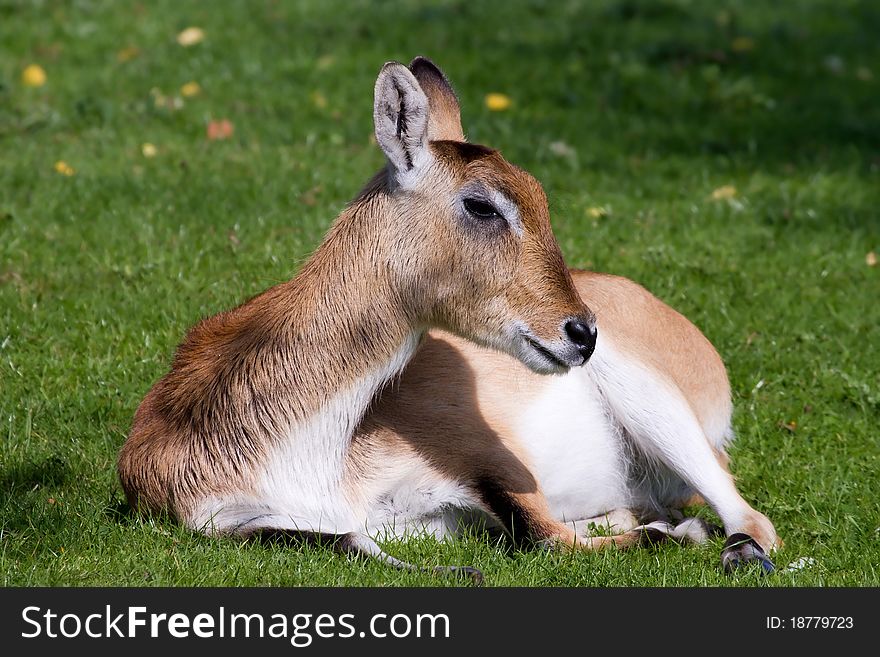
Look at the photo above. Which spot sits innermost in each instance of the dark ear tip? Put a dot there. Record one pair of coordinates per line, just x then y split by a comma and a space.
423, 68
420, 62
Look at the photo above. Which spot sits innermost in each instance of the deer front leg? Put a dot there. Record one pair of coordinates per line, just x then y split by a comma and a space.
661, 423
618, 521
527, 519
673, 524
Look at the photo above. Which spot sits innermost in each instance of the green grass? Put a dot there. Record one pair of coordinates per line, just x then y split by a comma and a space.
642, 109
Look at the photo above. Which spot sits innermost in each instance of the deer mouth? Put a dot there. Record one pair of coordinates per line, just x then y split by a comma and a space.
549, 363
546, 353
540, 356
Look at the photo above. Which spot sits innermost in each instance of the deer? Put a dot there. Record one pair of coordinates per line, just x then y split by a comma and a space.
251, 430
435, 364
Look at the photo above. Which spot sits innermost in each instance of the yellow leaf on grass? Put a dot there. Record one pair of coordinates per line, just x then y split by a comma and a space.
871, 259
498, 102
64, 168
190, 89
742, 44
597, 212
789, 426
318, 99
33, 76
726, 191
127, 54
191, 36
149, 150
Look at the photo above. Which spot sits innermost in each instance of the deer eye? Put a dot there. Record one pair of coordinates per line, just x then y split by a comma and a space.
481, 209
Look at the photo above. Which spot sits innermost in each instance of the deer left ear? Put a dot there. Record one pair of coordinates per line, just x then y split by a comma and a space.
444, 117
400, 117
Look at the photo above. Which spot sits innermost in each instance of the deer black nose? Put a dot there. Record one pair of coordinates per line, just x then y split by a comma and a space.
583, 336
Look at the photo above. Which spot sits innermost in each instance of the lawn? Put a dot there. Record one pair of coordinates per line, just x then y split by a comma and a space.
725, 155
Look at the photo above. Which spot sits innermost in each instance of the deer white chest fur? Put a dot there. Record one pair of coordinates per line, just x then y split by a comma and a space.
308, 465
566, 437
575, 447
301, 483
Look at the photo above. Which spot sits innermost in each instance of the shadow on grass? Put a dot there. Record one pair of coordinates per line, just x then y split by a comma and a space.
118, 511
50, 471
27, 509
777, 86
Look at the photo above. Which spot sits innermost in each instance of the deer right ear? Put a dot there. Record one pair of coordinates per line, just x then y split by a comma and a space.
400, 115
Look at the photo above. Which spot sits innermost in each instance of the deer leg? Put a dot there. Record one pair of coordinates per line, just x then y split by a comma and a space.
622, 521
661, 423
526, 517
257, 520
362, 545
618, 521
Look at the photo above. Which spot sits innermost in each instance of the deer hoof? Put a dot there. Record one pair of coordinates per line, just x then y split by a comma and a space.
741, 550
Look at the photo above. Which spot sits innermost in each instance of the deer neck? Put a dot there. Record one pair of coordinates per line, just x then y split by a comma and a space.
327, 339
346, 334
346, 327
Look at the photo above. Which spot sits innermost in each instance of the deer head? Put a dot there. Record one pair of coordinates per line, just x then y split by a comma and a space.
471, 242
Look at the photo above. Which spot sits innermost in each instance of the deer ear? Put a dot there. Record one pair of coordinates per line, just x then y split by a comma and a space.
444, 115
400, 115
